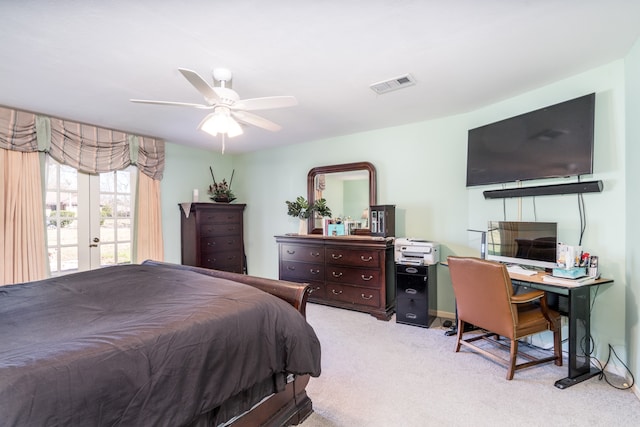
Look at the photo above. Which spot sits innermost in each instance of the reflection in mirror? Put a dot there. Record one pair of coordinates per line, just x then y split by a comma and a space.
349, 190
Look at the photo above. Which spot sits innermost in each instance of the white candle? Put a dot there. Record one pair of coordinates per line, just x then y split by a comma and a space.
195, 195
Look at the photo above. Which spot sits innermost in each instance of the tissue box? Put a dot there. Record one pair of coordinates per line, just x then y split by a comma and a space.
569, 273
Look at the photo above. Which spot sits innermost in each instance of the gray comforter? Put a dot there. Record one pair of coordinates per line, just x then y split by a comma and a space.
140, 345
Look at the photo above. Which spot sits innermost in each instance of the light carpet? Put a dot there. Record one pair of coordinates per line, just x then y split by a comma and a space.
377, 373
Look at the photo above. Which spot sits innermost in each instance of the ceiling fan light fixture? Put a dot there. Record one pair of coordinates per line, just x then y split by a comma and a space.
220, 121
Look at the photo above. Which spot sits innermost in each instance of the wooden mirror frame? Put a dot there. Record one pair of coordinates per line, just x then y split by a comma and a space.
347, 167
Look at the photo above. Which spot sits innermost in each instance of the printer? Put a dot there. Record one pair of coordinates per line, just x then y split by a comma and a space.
410, 251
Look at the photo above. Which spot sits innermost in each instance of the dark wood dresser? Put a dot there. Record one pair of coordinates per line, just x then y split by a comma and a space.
212, 236
353, 272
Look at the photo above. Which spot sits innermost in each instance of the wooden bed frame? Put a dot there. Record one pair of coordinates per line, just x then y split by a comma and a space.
292, 405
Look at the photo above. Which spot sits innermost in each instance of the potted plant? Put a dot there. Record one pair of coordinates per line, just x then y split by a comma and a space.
303, 210
221, 191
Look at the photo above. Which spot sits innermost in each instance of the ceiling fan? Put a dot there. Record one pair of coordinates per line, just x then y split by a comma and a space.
228, 109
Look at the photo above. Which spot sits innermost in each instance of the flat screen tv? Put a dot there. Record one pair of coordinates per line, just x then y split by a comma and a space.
555, 141
523, 243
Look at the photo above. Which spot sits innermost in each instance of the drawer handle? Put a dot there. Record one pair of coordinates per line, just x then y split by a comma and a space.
336, 274
211, 243
336, 256
411, 291
312, 271
291, 268
312, 290
336, 292
411, 316
290, 252
366, 279
366, 297
366, 259
315, 254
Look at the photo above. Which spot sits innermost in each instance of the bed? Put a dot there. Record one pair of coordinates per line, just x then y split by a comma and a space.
155, 344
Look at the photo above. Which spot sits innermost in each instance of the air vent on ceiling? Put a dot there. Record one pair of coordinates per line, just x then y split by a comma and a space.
393, 84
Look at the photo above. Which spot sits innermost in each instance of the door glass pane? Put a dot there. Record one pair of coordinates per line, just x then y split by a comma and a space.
61, 207
115, 217
68, 258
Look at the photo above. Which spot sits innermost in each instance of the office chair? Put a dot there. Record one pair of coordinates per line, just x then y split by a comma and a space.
484, 297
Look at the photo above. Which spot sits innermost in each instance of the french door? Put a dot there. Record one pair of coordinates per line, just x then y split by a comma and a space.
89, 218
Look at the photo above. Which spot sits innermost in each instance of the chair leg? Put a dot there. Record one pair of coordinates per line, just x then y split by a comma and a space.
557, 346
459, 334
512, 360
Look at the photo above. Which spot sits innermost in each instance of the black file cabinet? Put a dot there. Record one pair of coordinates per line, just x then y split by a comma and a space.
416, 294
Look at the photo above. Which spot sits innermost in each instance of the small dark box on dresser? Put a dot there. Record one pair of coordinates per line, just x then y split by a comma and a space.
382, 220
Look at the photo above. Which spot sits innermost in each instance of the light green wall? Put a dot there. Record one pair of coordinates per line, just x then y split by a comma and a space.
421, 169
632, 74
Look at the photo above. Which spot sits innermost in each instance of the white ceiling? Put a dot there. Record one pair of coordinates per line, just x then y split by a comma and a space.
84, 59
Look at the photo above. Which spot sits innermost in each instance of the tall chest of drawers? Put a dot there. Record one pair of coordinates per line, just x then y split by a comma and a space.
352, 272
212, 236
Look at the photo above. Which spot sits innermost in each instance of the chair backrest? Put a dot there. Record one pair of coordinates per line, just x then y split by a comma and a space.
483, 293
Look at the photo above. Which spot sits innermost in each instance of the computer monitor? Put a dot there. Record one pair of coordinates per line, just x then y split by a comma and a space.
523, 243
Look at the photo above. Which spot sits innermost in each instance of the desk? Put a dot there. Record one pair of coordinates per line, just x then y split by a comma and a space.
578, 311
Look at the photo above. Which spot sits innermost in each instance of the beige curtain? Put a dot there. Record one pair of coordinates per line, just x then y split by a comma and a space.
149, 243
23, 248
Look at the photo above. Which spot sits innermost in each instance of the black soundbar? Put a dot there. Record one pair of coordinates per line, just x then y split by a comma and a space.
546, 190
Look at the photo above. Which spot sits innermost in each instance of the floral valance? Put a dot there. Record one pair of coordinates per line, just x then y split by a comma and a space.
85, 147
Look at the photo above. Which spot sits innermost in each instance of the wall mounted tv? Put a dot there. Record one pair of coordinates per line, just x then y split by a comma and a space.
555, 141
523, 243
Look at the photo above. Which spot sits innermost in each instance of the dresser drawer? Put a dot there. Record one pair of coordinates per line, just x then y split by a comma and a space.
219, 217
352, 257
353, 295
297, 271
302, 253
353, 276
220, 243
221, 229
317, 291
223, 260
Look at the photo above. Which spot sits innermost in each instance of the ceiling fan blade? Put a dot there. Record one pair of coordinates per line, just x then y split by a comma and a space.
252, 119
265, 103
180, 104
201, 85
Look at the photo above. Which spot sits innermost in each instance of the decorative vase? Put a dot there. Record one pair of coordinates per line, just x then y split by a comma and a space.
302, 226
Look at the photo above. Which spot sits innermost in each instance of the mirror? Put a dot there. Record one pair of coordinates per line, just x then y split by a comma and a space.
348, 188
